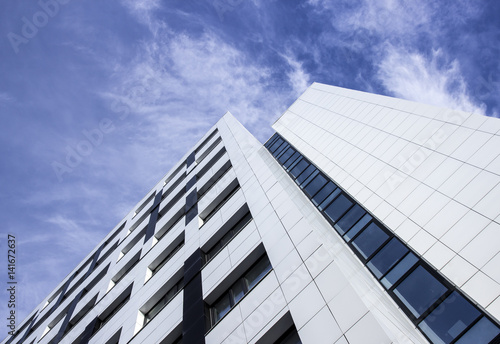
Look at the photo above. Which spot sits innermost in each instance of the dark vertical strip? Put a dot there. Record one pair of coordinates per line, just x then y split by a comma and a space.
94, 260
190, 183
190, 159
194, 318
61, 296
191, 207
87, 333
75, 301
25, 332
153, 218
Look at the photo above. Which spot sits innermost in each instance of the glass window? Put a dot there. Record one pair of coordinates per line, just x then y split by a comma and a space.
309, 179
299, 167
387, 257
317, 183
221, 308
238, 291
349, 219
286, 154
292, 159
482, 332
304, 175
399, 270
281, 149
271, 140
419, 291
369, 240
335, 210
329, 199
291, 338
275, 145
351, 233
323, 193
449, 319
257, 272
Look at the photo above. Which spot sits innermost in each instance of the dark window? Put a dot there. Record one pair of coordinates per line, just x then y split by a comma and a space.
482, 332
167, 258
304, 175
351, 233
387, 257
399, 270
271, 140
323, 193
280, 150
162, 302
419, 291
292, 159
349, 219
299, 167
241, 287
315, 185
338, 207
369, 240
102, 320
286, 154
228, 237
290, 337
449, 319
275, 145
329, 199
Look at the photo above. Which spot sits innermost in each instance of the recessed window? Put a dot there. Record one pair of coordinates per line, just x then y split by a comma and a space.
290, 337
449, 319
387, 257
351, 233
419, 291
217, 247
291, 160
483, 331
370, 239
399, 270
305, 174
315, 185
239, 289
349, 219
299, 167
338, 207
319, 197
162, 302
167, 258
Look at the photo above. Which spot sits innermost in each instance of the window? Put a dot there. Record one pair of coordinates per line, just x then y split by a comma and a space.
387, 257
440, 311
232, 188
338, 207
369, 240
454, 315
419, 291
239, 289
290, 337
204, 169
214, 179
109, 312
167, 258
162, 302
149, 199
231, 233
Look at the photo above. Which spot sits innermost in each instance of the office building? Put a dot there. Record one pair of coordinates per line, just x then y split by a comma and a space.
364, 219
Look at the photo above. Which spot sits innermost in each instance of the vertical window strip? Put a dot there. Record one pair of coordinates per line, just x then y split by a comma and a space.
423, 294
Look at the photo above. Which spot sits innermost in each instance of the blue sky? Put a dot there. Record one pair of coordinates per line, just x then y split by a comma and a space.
145, 79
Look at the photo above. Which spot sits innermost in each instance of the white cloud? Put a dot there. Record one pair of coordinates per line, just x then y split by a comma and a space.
431, 80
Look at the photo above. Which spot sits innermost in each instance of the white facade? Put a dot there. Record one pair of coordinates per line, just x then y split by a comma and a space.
430, 175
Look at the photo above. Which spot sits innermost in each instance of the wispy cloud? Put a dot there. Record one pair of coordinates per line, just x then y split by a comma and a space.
431, 80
